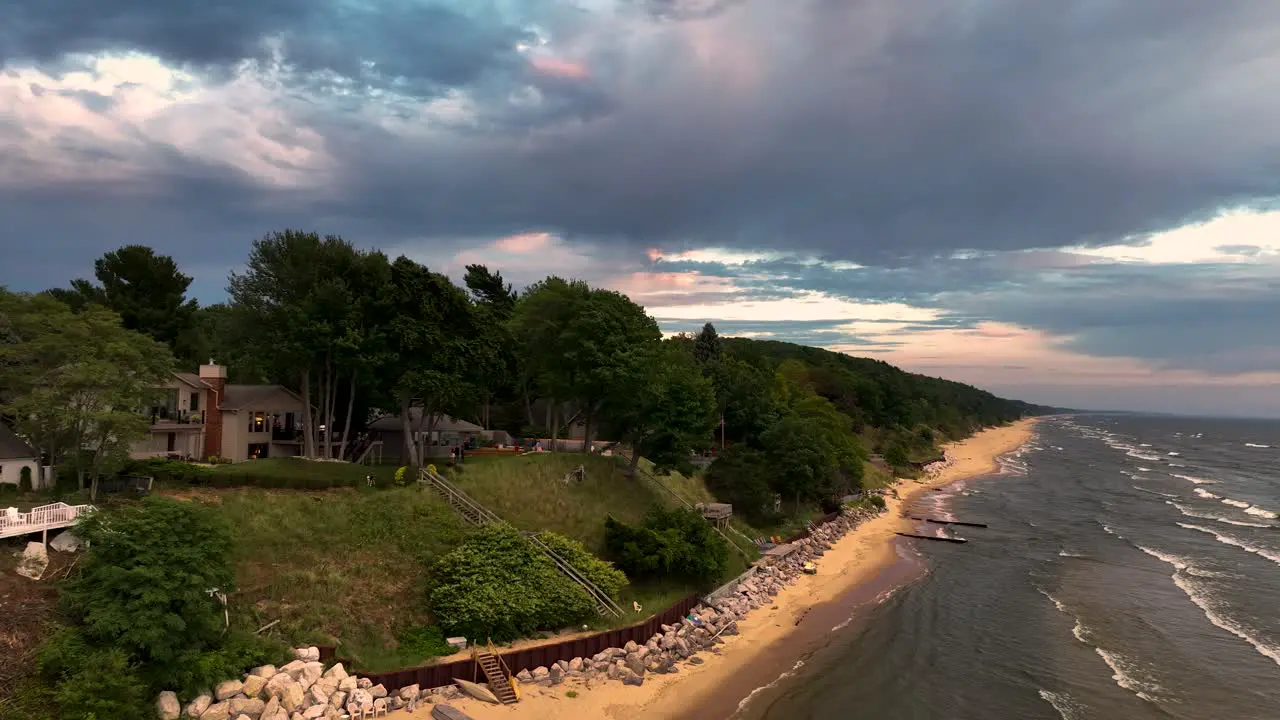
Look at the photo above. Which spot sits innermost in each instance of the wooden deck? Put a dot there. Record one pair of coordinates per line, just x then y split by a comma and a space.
46, 517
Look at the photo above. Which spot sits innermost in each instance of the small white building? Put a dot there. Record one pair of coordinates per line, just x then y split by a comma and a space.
15, 455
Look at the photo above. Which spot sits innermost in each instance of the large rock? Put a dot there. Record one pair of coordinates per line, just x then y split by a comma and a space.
409, 691
196, 707
217, 711
575, 664
307, 654
266, 672
348, 683
315, 712
336, 673
276, 685
252, 707
253, 686
310, 673
167, 707
227, 689
378, 691
292, 697
33, 561
67, 542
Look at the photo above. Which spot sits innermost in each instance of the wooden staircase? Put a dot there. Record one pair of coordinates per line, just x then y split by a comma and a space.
476, 514
499, 682
604, 604
470, 510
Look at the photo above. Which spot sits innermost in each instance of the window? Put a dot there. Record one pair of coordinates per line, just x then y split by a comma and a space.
195, 402
258, 422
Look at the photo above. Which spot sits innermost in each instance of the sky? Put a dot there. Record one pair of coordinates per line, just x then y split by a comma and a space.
1069, 202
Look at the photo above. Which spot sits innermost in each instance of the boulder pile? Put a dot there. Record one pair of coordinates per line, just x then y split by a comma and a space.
301, 690
305, 690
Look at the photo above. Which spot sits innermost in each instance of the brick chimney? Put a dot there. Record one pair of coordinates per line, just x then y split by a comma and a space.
215, 376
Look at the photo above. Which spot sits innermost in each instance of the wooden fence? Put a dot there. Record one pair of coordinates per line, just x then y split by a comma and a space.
432, 676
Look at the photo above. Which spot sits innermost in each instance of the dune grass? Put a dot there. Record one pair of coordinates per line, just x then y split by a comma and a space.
298, 468
337, 566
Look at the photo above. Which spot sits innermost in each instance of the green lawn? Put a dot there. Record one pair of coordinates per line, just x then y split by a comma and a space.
297, 468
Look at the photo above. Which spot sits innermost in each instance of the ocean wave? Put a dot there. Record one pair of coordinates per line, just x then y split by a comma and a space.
1176, 465
1111, 531
1056, 602
1193, 480
1207, 606
1173, 454
1068, 554
1256, 445
1153, 492
747, 700
1259, 512
1143, 469
1121, 667
1235, 503
1207, 495
1067, 707
1236, 542
1141, 456
1192, 513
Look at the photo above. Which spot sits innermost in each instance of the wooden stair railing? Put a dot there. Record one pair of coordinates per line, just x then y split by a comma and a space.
495, 674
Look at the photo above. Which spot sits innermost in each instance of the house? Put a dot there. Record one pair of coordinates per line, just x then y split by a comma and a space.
448, 432
15, 455
202, 416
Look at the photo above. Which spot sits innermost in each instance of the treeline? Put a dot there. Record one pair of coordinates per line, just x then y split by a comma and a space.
360, 334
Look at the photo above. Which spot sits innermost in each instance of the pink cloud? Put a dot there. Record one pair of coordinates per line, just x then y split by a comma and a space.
664, 288
560, 68
523, 243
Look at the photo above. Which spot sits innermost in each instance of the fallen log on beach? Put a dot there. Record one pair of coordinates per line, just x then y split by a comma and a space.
949, 522
933, 537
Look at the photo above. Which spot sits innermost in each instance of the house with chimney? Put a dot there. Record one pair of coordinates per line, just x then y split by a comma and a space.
202, 416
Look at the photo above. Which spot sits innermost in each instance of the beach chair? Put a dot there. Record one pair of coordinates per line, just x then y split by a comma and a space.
354, 711
380, 707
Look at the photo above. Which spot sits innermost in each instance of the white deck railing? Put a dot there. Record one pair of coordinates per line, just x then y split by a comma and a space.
45, 517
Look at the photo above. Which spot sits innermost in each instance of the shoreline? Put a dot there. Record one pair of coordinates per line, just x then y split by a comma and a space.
857, 571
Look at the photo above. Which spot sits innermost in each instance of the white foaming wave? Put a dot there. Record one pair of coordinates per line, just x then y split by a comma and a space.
1176, 465
1192, 513
1236, 542
1193, 480
1145, 445
1203, 602
1235, 503
1069, 554
799, 664
1117, 663
1110, 531
1173, 454
1256, 445
1143, 469
1206, 494
1141, 456
1056, 602
1153, 492
1067, 707
1222, 623
1255, 510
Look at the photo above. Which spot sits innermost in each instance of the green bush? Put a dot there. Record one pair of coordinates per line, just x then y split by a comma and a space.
141, 605
677, 543
424, 641
103, 684
877, 501
24, 479
896, 455
601, 573
497, 586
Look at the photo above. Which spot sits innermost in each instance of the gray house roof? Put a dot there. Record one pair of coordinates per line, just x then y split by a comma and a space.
191, 379
267, 398
13, 447
391, 423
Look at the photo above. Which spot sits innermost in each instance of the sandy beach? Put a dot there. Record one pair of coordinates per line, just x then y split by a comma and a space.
857, 567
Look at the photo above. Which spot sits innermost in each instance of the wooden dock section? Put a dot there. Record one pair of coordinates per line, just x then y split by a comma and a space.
937, 538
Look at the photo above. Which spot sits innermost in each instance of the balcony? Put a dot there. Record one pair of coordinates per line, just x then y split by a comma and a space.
284, 434
174, 416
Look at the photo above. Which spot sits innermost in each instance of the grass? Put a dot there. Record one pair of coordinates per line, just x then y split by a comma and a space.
338, 566
874, 477
297, 468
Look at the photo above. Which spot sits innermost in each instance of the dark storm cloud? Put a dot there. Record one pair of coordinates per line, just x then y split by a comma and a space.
887, 131
428, 44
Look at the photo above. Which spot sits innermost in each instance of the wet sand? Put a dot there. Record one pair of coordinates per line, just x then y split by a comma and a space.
858, 571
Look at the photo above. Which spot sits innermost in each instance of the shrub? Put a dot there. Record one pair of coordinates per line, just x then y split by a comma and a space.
103, 684
171, 635
496, 585
601, 573
24, 479
877, 501
669, 543
424, 641
896, 455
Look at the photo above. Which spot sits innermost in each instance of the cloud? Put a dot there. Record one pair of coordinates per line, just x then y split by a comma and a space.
792, 169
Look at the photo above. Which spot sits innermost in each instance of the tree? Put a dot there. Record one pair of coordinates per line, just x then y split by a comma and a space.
489, 289
740, 476
676, 542
746, 400
439, 351
149, 293
495, 301
77, 382
706, 348
537, 327
301, 304
662, 405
